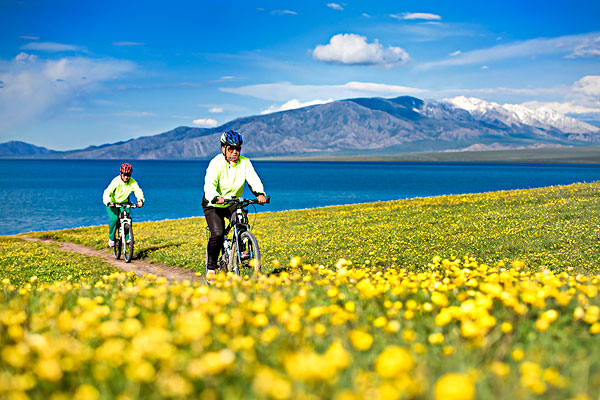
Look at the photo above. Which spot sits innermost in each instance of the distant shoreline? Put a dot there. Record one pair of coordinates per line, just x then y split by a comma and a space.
562, 155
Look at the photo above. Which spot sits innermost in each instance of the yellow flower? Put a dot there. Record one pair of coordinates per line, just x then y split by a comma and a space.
393, 361
500, 368
436, 338
361, 340
295, 262
140, 371
409, 335
439, 299
269, 383
260, 320
221, 318
454, 386
518, 354
444, 317
49, 369
506, 327
86, 392
17, 355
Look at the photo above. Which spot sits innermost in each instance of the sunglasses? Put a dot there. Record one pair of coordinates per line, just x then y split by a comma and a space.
232, 148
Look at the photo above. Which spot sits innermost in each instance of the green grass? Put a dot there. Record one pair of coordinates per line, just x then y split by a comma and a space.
21, 260
552, 227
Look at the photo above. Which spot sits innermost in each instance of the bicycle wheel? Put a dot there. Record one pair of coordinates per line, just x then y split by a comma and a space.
127, 244
246, 261
117, 246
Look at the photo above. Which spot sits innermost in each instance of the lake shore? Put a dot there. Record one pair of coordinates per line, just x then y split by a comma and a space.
563, 155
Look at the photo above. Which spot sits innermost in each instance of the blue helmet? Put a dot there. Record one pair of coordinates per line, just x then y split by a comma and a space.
231, 138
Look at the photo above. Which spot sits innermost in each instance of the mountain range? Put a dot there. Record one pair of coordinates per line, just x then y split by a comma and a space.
358, 126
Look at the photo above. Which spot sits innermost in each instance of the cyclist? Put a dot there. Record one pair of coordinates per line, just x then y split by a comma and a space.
118, 191
225, 178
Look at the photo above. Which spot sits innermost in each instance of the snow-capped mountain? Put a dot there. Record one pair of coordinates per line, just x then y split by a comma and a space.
366, 126
515, 114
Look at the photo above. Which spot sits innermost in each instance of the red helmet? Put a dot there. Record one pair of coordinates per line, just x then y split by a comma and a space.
126, 169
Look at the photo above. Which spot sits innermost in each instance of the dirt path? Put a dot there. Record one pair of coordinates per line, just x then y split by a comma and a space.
140, 267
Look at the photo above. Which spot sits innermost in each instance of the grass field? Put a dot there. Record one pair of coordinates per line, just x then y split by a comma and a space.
485, 296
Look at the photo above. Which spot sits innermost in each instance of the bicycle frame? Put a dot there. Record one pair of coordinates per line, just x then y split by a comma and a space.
240, 225
121, 241
240, 234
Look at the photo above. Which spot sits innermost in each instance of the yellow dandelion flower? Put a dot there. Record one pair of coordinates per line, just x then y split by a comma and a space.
454, 386
361, 340
393, 361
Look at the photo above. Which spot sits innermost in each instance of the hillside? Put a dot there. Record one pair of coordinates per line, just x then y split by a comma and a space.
366, 125
20, 149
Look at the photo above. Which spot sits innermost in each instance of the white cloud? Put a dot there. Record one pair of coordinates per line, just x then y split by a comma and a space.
335, 6
411, 16
293, 104
215, 110
284, 12
35, 88
137, 114
583, 97
30, 37
588, 86
304, 93
127, 44
569, 46
588, 48
353, 49
24, 57
51, 47
455, 53
562, 108
206, 122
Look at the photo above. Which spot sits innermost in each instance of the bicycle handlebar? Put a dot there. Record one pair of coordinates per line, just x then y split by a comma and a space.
244, 202
130, 205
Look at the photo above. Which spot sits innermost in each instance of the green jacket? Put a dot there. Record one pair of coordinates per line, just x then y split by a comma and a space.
119, 191
228, 181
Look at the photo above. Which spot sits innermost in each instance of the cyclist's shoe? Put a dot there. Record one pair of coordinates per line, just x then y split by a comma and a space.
211, 276
111, 243
244, 255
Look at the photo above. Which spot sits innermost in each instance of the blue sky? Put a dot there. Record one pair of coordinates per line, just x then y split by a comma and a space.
79, 73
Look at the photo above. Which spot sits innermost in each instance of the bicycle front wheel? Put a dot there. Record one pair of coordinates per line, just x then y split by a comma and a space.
127, 241
117, 245
245, 255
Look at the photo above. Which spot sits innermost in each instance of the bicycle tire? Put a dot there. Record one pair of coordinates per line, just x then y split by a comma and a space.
117, 245
251, 265
127, 245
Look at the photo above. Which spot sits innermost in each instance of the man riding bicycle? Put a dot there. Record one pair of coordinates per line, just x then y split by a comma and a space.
118, 191
225, 178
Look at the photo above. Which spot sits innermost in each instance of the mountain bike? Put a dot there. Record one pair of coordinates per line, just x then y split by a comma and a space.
124, 233
240, 254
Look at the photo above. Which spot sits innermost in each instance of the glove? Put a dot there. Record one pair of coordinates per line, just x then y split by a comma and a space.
140, 204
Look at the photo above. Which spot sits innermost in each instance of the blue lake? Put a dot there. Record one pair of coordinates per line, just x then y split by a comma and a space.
54, 194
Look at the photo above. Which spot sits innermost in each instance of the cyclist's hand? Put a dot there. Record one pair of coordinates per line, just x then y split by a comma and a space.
261, 199
111, 204
220, 200
140, 204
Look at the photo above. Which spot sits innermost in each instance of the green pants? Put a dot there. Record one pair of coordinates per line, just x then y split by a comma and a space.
113, 217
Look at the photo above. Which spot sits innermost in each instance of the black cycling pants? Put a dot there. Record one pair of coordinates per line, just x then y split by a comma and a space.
215, 219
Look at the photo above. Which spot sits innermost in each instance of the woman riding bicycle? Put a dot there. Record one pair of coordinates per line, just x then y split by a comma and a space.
118, 191
225, 178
